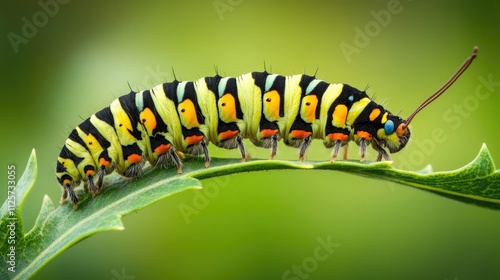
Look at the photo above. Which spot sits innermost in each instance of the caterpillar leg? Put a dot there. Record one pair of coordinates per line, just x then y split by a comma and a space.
95, 188
243, 151
165, 151
176, 159
64, 196
336, 149
363, 138
134, 170
269, 140
205, 152
306, 142
363, 144
134, 159
100, 178
92, 187
171, 155
337, 138
274, 146
200, 147
72, 195
382, 153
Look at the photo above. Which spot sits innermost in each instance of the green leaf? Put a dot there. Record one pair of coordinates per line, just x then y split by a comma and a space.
58, 228
10, 213
12, 207
478, 182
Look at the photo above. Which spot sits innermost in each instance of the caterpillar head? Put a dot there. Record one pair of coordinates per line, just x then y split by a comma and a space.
396, 133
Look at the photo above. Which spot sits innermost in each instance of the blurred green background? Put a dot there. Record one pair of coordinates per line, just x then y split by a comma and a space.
261, 225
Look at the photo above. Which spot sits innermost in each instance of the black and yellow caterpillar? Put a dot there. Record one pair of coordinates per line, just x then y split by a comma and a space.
161, 123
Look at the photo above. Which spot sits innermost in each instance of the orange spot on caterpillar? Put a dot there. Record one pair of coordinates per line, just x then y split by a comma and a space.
364, 134
339, 115
134, 158
163, 148
227, 108
308, 108
268, 133
104, 162
90, 172
374, 114
148, 120
228, 134
271, 105
300, 134
194, 139
338, 136
401, 130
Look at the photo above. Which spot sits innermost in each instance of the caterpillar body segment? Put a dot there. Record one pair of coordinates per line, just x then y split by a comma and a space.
160, 124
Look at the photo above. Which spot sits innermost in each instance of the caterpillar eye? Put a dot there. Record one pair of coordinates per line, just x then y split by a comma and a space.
389, 127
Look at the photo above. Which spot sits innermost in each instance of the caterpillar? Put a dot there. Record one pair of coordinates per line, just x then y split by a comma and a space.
160, 124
